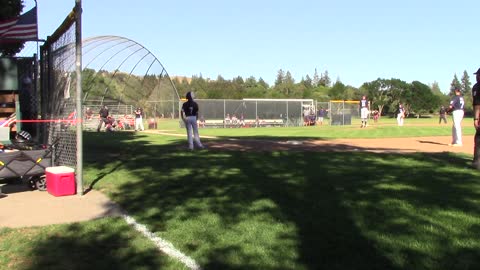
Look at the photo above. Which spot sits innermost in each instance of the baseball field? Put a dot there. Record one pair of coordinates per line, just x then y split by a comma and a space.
320, 197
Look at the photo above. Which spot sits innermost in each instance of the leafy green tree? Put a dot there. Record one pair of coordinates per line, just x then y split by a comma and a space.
321, 93
262, 83
254, 89
386, 94
350, 92
377, 93
338, 91
199, 85
250, 82
421, 99
10, 9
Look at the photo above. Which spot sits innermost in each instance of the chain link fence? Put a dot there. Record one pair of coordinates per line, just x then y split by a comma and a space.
58, 92
256, 112
343, 112
271, 112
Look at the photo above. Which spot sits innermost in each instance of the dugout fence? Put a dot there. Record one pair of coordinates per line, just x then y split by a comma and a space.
271, 112
343, 112
255, 112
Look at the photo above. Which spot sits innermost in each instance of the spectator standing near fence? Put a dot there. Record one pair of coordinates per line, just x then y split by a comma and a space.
321, 115
456, 107
442, 116
189, 116
139, 119
103, 117
364, 111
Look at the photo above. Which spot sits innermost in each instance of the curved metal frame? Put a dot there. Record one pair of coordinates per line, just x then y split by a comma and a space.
102, 40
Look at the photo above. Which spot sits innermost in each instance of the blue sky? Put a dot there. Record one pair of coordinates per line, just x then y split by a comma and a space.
356, 41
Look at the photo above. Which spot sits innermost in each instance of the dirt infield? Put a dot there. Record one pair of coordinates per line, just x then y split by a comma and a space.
391, 145
21, 208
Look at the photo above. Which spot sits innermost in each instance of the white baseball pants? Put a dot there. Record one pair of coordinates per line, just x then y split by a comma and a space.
139, 124
457, 126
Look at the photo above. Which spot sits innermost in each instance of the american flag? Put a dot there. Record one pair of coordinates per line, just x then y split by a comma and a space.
8, 121
21, 28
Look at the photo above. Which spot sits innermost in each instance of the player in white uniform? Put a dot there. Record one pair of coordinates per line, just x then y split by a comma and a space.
456, 107
364, 110
400, 115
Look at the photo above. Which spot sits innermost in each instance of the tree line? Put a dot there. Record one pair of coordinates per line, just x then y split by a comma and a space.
384, 94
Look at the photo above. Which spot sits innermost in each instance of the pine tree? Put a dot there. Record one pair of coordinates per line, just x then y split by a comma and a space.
280, 77
436, 88
466, 84
316, 78
455, 84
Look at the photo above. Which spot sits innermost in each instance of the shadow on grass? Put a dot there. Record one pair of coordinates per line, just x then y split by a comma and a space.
100, 245
298, 210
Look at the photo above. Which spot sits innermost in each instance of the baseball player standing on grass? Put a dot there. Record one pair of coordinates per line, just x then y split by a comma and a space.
139, 119
400, 115
456, 107
442, 115
364, 111
476, 121
189, 116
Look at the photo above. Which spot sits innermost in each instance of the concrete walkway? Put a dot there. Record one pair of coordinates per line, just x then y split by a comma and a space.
21, 207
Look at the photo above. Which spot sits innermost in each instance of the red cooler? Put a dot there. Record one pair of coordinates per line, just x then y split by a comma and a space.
60, 180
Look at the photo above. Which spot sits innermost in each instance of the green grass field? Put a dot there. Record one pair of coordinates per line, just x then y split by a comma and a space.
267, 210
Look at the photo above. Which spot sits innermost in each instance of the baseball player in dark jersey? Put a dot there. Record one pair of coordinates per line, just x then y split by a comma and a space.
456, 107
476, 121
442, 115
103, 117
364, 111
189, 116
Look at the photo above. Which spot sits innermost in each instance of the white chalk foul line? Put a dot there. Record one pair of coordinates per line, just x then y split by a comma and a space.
163, 245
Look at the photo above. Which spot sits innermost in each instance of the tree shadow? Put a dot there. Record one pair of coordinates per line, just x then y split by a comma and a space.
309, 210
100, 247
